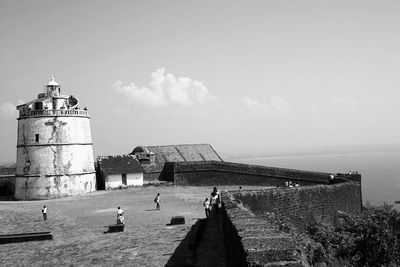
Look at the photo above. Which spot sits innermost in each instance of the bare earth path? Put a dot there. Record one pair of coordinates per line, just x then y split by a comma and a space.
77, 224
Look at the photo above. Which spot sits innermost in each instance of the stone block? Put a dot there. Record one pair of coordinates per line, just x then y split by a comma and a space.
177, 220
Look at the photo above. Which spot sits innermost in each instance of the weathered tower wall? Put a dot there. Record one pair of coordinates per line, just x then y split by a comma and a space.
54, 147
54, 155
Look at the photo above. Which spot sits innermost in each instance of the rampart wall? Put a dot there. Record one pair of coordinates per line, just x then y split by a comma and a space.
7, 171
7, 181
7, 185
250, 217
153, 173
253, 241
303, 205
227, 173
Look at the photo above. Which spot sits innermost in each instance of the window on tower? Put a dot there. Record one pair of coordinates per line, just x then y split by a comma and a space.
36, 138
38, 105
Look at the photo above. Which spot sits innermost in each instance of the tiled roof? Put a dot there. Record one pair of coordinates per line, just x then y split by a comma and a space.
180, 153
187, 152
119, 164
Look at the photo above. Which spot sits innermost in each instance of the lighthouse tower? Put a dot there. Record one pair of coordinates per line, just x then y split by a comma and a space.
54, 147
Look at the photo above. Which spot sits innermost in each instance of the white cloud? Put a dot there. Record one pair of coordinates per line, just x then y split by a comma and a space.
8, 110
164, 89
279, 104
256, 107
343, 103
276, 104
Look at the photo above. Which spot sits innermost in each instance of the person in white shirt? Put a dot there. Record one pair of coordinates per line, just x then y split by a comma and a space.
207, 207
120, 216
44, 212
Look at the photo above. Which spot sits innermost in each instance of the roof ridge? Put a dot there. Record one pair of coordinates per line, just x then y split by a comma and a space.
178, 145
114, 156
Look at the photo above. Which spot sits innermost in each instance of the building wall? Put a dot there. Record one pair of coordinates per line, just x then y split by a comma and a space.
151, 177
54, 129
115, 180
47, 187
61, 163
54, 159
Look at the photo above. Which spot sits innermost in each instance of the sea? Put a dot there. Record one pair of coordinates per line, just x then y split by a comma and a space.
380, 171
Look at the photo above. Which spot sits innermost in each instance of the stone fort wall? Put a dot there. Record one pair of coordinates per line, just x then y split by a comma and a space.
251, 235
253, 241
212, 173
249, 217
303, 205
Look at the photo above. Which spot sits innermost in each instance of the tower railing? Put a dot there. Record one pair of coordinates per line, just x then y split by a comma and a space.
55, 112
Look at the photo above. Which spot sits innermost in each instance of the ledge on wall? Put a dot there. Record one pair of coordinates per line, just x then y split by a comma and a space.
252, 241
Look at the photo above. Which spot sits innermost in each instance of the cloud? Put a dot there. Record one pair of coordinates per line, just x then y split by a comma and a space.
343, 103
279, 104
8, 110
276, 104
256, 107
164, 90
313, 108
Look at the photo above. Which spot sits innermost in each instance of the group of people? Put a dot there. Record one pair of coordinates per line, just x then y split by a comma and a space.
291, 184
120, 212
213, 204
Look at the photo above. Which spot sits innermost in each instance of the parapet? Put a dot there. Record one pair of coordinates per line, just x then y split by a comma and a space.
254, 241
254, 220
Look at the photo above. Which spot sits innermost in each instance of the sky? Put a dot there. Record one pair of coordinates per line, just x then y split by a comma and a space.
239, 75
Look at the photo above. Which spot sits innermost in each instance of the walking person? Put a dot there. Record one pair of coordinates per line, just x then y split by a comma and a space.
157, 201
207, 207
44, 212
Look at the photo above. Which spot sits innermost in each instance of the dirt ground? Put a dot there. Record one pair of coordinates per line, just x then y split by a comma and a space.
78, 224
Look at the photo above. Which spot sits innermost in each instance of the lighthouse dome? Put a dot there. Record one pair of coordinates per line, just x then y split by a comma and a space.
52, 82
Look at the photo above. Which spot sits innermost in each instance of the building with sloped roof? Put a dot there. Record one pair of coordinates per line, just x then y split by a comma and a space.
117, 171
154, 158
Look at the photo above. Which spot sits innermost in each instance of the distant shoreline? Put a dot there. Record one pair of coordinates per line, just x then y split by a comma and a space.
310, 153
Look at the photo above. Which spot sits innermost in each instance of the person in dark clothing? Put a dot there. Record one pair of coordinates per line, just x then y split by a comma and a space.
157, 201
215, 201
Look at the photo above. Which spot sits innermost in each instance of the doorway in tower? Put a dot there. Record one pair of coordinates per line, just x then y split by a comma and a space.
124, 179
